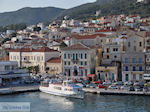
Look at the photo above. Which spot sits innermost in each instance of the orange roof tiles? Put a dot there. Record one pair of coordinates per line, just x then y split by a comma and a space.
43, 49
106, 30
93, 36
77, 47
54, 60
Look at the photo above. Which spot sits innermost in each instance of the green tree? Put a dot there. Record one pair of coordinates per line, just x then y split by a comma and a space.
47, 69
37, 29
36, 69
30, 69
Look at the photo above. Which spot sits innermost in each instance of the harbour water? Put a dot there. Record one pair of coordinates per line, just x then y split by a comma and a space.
41, 102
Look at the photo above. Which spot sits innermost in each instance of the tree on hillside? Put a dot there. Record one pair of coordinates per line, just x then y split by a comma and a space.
36, 28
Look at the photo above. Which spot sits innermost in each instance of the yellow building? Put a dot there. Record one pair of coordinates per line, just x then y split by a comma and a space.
107, 73
54, 66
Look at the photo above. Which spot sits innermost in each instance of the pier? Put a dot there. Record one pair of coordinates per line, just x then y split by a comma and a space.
19, 89
115, 92
35, 88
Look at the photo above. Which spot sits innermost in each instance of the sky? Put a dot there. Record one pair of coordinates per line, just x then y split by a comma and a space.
12, 5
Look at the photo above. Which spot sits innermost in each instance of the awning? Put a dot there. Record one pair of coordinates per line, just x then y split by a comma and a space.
91, 75
97, 82
14, 76
146, 76
82, 67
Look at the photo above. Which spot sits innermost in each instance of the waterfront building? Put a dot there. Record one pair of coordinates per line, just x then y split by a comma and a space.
147, 57
54, 66
107, 73
9, 72
27, 57
133, 66
78, 60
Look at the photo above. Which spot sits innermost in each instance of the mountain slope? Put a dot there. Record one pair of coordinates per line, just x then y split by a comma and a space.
29, 15
108, 7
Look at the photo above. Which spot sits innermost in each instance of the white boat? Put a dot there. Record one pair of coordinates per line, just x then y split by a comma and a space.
66, 88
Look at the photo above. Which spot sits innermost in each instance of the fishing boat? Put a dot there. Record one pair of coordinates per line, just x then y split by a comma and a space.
65, 88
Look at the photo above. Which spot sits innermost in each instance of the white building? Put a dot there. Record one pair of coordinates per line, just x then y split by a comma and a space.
133, 66
78, 60
27, 57
89, 40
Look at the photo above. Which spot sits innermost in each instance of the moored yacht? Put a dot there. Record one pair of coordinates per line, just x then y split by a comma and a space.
66, 88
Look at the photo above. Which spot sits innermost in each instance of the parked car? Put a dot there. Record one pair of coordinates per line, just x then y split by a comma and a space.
128, 83
147, 84
131, 88
141, 84
101, 86
107, 83
92, 85
86, 81
112, 87
145, 89
138, 88
118, 83
124, 87
97, 82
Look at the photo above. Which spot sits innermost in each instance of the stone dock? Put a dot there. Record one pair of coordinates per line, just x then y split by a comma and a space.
35, 88
115, 92
19, 89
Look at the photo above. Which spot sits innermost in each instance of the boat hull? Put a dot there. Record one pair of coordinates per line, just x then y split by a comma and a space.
63, 94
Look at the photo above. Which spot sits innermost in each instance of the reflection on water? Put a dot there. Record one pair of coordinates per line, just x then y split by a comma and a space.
41, 102
61, 102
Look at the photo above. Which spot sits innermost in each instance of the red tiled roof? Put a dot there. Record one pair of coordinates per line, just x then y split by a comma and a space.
43, 49
77, 47
54, 60
106, 30
88, 36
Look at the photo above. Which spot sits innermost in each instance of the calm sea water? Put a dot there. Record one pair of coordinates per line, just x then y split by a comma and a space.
41, 102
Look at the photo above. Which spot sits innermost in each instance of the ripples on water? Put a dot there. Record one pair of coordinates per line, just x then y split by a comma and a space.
41, 102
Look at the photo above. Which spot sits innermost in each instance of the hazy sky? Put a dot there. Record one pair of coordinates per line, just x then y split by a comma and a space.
11, 5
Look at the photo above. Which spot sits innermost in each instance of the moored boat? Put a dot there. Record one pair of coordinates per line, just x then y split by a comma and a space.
66, 88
